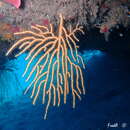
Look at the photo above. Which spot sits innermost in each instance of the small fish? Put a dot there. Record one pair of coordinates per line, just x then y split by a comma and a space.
16, 3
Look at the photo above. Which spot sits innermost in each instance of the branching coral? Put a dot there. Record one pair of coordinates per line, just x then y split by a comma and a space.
58, 62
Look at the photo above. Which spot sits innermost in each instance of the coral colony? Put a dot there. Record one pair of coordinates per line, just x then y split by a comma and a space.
57, 70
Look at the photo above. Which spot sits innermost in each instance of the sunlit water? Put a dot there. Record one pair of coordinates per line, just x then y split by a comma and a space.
106, 99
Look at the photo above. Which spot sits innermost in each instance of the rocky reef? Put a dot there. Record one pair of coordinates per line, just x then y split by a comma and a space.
105, 15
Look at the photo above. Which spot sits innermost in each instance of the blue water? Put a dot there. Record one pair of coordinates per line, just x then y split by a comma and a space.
106, 100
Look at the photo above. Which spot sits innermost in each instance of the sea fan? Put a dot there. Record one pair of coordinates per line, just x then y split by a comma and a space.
57, 71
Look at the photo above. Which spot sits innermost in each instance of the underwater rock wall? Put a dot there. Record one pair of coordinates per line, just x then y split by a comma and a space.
42, 12
100, 14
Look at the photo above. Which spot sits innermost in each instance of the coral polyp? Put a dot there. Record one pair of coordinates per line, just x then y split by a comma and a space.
57, 72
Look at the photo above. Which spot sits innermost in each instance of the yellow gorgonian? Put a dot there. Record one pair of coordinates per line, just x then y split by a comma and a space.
57, 71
